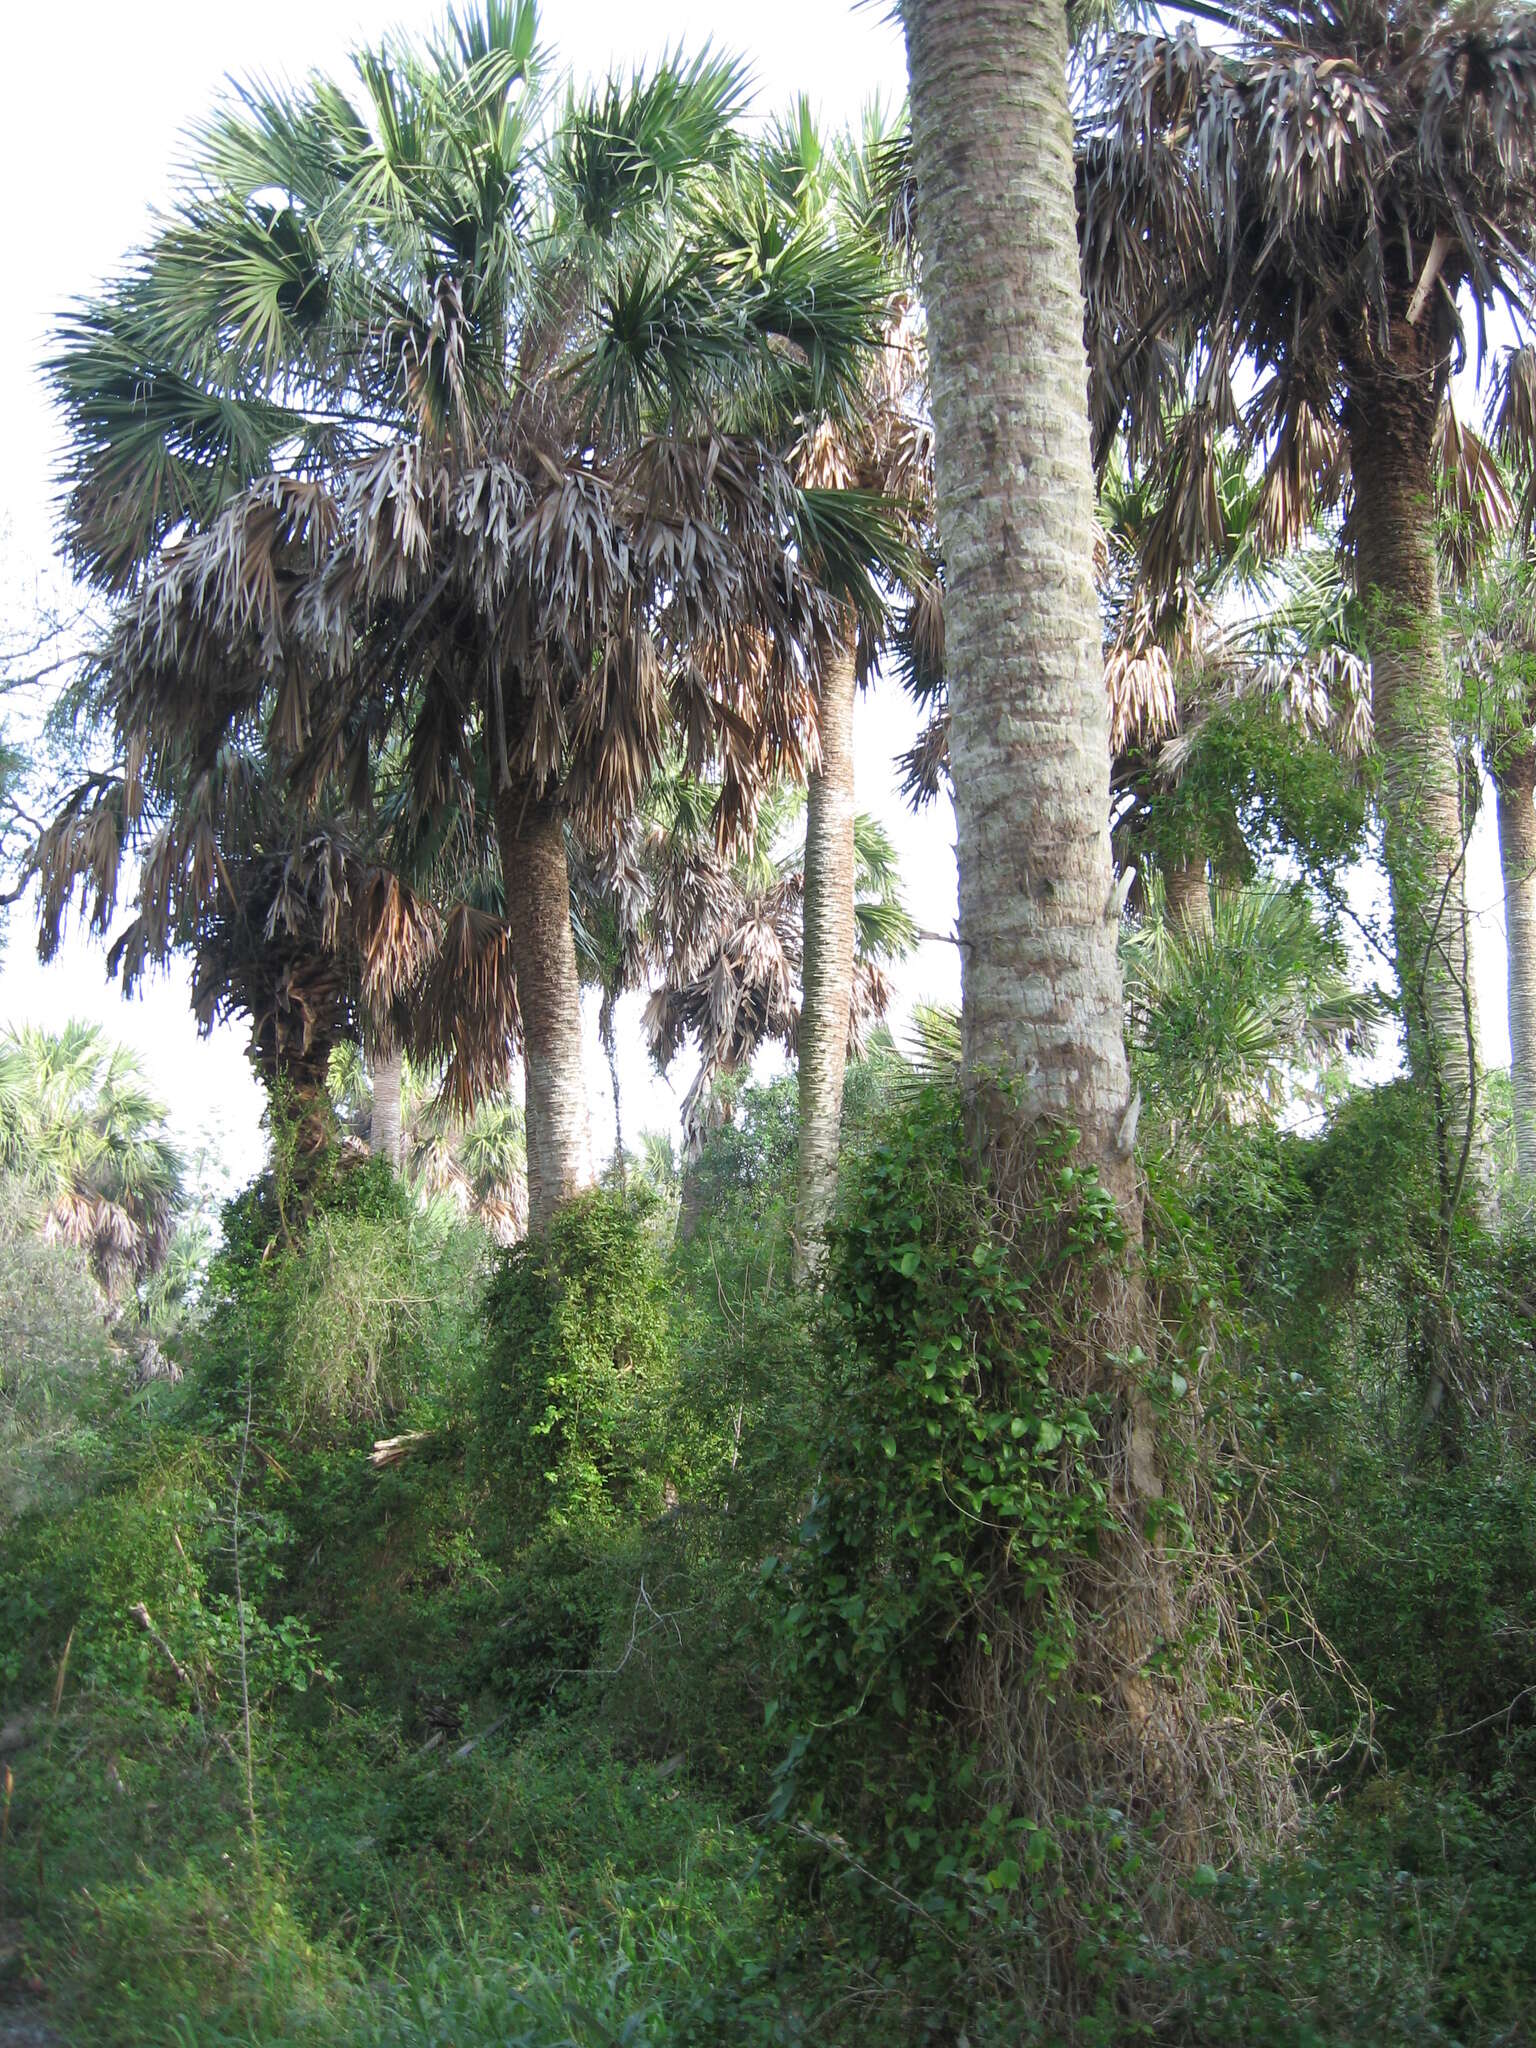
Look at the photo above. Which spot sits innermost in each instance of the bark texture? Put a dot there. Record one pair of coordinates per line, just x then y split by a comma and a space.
538, 890
1029, 737
605, 1031
827, 968
384, 1122
1391, 421
1187, 895
1514, 787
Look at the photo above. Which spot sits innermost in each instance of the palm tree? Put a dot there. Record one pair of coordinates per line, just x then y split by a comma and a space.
1028, 725
296, 922
464, 442
734, 955
1224, 1013
78, 1124
885, 447
1297, 206
1496, 634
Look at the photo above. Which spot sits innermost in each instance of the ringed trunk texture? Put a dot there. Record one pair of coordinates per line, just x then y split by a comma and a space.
1391, 422
827, 969
384, 1123
1514, 786
1043, 1003
1187, 894
1029, 724
538, 891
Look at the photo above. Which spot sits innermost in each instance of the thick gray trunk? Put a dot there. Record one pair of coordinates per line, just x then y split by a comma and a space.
1029, 737
384, 1139
1391, 427
538, 891
1517, 856
827, 971
1187, 895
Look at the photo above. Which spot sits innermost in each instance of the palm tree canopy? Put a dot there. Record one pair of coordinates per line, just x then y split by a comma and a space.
1304, 199
1222, 1015
447, 405
78, 1124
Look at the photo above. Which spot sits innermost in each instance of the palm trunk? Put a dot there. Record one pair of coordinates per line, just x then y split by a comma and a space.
611, 1049
827, 970
1391, 423
1029, 725
538, 894
384, 1123
1514, 785
1187, 895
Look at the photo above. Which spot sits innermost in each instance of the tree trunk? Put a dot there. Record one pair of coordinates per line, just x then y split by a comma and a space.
1043, 1035
1391, 422
384, 1122
827, 970
1514, 784
611, 1050
538, 894
1187, 896
1029, 725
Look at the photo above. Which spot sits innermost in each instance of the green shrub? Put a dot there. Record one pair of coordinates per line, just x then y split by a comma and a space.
579, 1337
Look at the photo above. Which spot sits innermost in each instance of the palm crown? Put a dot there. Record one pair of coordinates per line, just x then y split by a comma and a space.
448, 414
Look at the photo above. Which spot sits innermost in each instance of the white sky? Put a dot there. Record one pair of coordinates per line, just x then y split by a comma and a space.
88, 149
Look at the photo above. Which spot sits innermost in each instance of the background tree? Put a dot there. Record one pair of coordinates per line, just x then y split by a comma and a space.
1302, 202
470, 441
79, 1126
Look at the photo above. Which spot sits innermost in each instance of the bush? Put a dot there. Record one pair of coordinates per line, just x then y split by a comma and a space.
580, 1338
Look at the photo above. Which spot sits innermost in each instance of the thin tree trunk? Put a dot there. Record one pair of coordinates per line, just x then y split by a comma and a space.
1391, 421
384, 1122
538, 894
611, 1049
1187, 895
827, 969
1029, 725
1514, 785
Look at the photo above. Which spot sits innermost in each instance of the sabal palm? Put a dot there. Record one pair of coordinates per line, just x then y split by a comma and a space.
734, 949
842, 188
458, 438
1225, 1013
79, 1125
1300, 204
296, 922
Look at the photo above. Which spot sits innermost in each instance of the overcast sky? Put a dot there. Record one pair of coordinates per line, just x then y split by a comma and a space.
88, 150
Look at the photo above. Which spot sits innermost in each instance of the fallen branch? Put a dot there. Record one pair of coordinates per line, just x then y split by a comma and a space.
389, 1450
140, 1613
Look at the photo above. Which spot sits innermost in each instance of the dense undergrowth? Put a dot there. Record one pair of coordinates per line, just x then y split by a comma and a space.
615, 1704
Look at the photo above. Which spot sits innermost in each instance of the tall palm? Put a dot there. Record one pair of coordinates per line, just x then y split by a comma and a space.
78, 1124
465, 439
1496, 636
1297, 206
884, 447
1028, 725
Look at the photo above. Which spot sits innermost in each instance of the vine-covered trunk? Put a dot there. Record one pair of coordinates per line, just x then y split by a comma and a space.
384, 1120
1187, 895
1391, 422
1043, 1036
1029, 723
1514, 785
538, 892
827, 970
295, 1072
